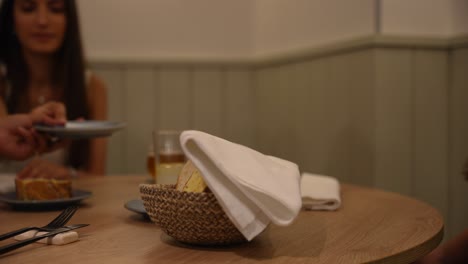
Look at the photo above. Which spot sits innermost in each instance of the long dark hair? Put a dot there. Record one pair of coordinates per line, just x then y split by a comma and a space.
68, 73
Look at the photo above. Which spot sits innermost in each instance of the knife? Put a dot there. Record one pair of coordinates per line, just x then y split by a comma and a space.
16, 245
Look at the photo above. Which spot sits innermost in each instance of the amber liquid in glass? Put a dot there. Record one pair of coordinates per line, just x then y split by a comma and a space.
151, 165
171, 158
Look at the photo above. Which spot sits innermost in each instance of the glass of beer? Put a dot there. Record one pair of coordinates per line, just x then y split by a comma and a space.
170, 157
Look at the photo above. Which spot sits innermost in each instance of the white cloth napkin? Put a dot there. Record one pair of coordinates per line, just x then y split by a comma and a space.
59, 239
320, 192
7, 183
252, 188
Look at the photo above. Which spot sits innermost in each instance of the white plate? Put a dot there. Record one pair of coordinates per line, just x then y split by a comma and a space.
82, 129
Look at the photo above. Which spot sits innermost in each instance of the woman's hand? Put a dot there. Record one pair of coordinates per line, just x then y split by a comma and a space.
54, 114
40, 168
50, 113
17, 139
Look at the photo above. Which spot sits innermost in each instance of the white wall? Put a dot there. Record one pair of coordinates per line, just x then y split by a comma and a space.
460, 17
437, 18
166, 28
227, 29
173, 29
291, 24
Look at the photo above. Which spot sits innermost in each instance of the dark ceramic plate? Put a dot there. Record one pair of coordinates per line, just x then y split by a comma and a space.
82, 129
136, 206
77, 196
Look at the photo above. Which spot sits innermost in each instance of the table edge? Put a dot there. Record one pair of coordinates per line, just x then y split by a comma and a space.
413, 254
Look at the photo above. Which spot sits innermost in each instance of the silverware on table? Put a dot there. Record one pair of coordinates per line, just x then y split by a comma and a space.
57, 222
16, 245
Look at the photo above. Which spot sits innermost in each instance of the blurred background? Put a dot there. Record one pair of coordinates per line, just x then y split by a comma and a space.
371, 92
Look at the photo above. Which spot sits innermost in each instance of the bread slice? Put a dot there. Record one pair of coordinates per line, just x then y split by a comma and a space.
43, 189
195, 183
190, 179
187, 170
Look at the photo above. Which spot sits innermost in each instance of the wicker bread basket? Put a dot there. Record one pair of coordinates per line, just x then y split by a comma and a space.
193, 218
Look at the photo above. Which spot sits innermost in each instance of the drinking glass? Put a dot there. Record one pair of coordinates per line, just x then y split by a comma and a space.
170, 157
151, 162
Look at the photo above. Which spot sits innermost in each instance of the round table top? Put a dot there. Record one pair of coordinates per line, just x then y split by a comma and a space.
371, 226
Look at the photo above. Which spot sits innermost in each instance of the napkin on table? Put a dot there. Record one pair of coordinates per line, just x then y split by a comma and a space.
320, 192
59, 239
252, 188
7, 183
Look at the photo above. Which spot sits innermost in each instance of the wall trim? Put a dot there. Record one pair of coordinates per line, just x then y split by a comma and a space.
174, 61
459, 42
283, 57
365, 42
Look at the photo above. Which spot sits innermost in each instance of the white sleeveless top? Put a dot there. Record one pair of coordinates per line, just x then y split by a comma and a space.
57, 156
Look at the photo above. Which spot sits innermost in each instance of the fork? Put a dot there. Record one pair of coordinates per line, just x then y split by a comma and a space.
57, 222
16, 245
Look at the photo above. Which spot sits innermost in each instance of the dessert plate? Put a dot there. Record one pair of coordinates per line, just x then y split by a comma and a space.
82, 129
136, 206
11, 199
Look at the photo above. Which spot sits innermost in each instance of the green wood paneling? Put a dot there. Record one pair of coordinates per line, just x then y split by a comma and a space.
458, 142
361, 107
141, 104
274, 130
208, 101
430, 130
174, 104
117, 105
393, 120
239, 119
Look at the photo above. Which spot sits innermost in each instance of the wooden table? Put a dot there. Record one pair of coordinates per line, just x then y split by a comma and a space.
371, 226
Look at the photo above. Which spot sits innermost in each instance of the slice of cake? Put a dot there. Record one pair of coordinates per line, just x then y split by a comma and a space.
43, 189
190, 179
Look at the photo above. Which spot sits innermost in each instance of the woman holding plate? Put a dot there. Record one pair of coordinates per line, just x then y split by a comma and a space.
41, 60
18, 139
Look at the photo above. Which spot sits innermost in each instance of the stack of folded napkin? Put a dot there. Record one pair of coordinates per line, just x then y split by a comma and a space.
252, 188
59, 239
7, 183
320, 192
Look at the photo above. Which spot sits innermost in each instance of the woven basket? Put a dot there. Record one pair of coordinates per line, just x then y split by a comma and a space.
193, 218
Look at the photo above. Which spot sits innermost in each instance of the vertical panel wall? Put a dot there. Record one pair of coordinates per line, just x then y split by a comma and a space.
116, 96
385, 116
208, 100
275, 131
361, 70
393, 119
141, 84
458, 142
174, 100
239, 120
149, 97
430, 85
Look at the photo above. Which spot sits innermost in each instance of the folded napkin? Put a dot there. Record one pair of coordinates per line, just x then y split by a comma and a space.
252, 188
320, 192
7, 183
59, 239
